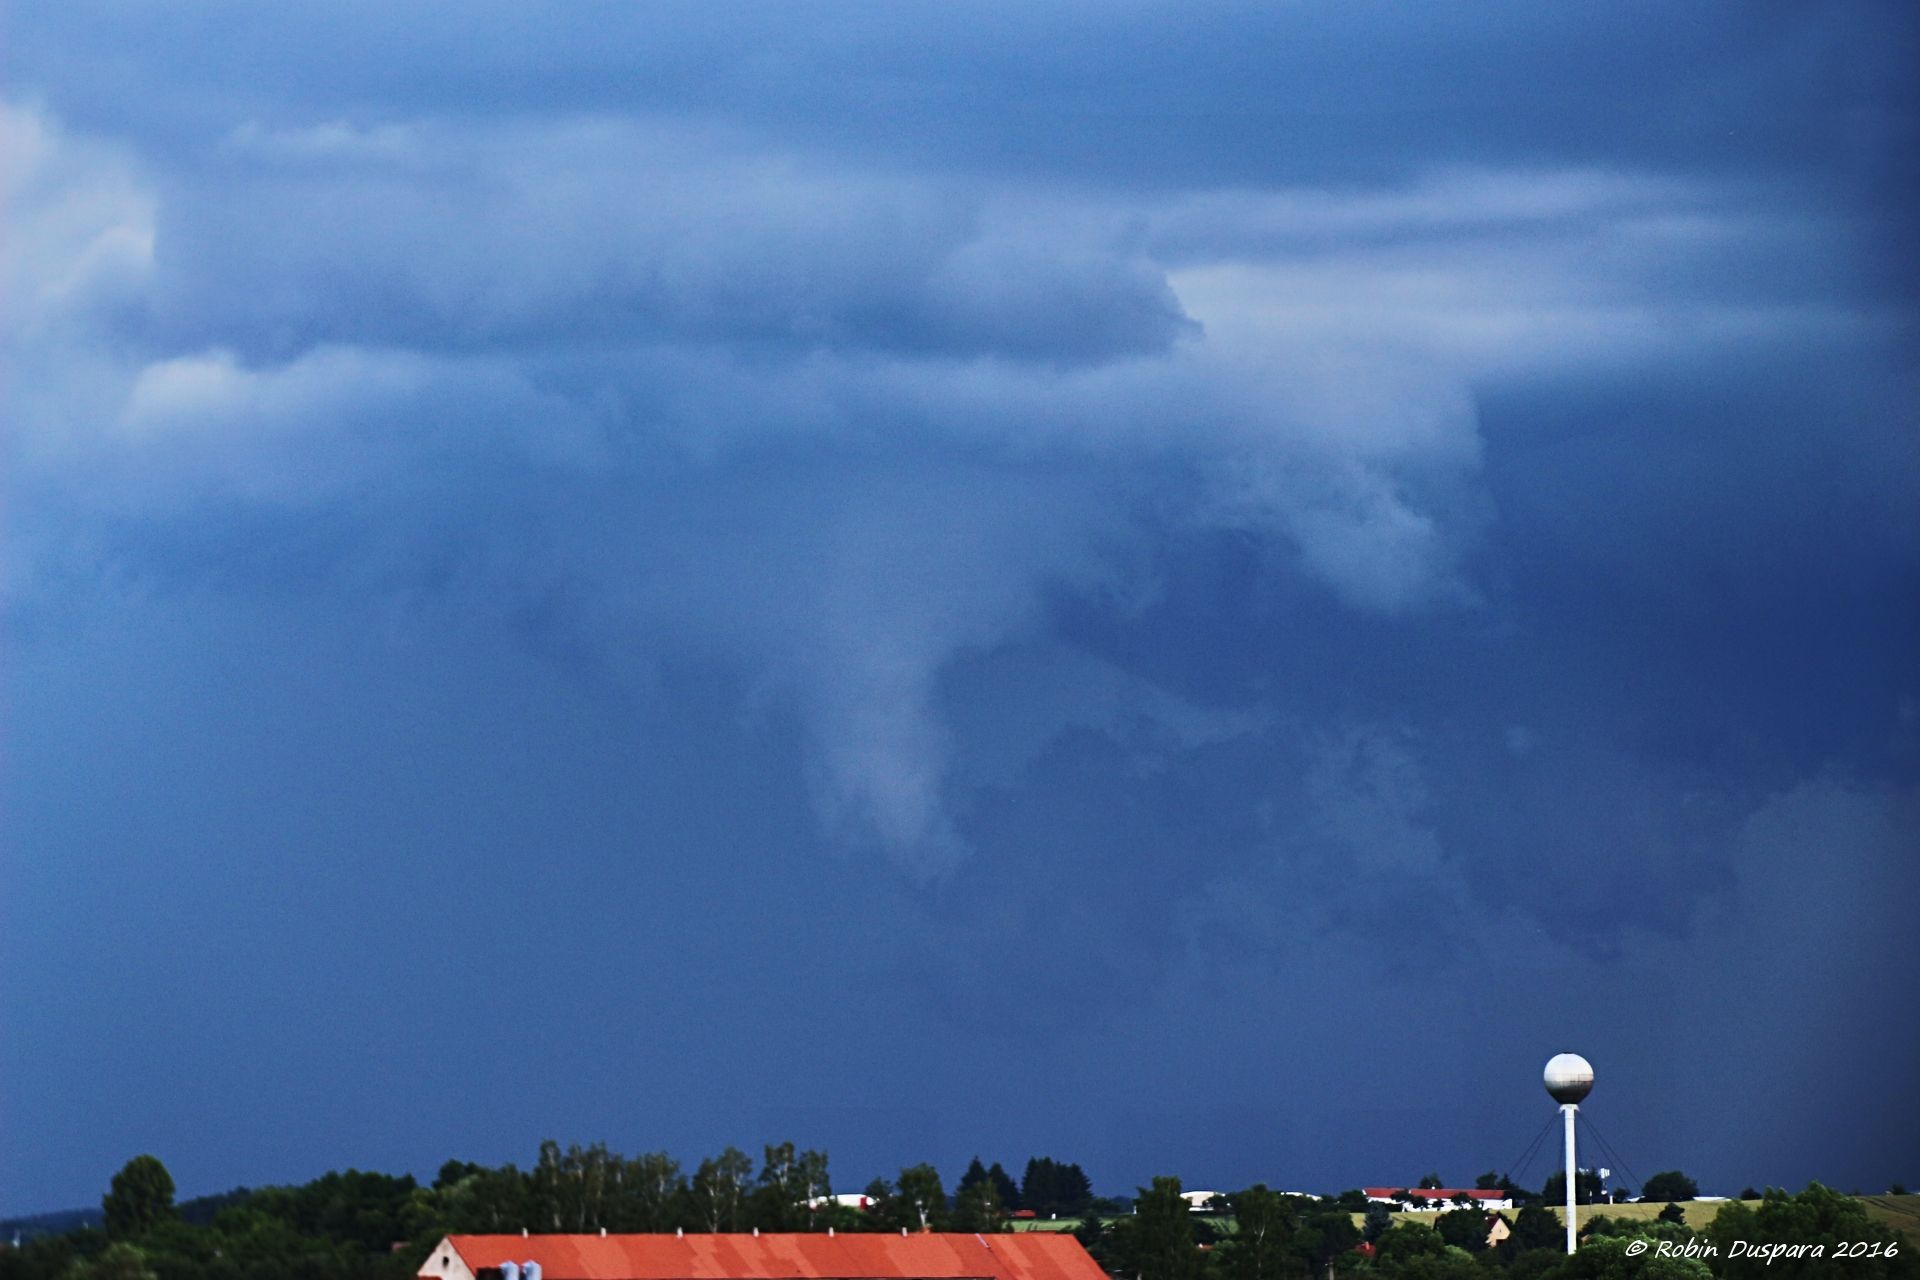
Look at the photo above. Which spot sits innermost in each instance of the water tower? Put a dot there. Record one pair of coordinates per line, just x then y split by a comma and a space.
1569, 1078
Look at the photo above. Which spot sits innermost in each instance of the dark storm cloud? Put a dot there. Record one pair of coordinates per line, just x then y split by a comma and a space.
1143, 95
276, 364
618, 232
1146, 511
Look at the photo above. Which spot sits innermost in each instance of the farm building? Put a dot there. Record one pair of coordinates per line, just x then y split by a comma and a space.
801, 1256
846, 1200
1440, 1197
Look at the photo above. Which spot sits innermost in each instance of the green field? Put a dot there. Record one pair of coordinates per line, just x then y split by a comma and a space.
1902, 1213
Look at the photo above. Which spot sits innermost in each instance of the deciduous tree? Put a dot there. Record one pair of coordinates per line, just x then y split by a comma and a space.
1670, 1185
977, 1207
1816, 1216
120, 1261
789, 1180
1407, 1240
1323, 1236
654, 1193
1160, 1244
139, 1198
1464, 1229
1264, 1223
919, 1198
1534, 1227
719, 1187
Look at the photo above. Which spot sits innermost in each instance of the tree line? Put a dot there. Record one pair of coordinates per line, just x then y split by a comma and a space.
371, 1226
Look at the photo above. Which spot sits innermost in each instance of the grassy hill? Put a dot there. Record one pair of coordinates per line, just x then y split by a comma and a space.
1902, 1213
1699, 1212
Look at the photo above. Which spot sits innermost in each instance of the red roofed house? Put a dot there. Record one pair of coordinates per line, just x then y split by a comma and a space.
809, 1256
1441, 1197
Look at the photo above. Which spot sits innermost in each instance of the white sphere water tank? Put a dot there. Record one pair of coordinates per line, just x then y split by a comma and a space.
1569, 1077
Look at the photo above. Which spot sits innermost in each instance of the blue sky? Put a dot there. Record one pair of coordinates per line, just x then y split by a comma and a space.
1195, 593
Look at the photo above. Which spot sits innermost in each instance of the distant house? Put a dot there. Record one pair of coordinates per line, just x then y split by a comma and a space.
846, 1200
1025, 1255
1203, 1201
1438, 1198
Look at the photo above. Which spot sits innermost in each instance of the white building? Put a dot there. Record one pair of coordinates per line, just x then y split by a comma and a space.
1438, 1198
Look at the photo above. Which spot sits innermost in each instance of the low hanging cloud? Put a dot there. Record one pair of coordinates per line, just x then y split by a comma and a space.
841, 423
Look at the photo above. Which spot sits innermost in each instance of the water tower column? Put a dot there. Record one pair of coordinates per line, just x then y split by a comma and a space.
1570, 1110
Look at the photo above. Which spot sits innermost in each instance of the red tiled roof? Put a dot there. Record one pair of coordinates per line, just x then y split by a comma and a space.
809, 1256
